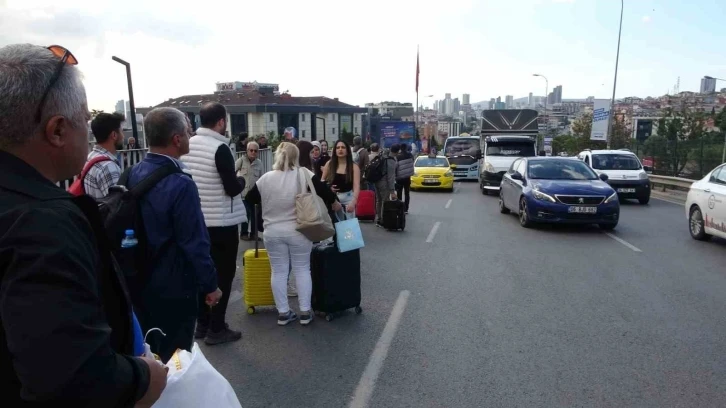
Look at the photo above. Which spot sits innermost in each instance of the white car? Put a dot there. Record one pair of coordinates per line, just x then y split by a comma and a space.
706, 205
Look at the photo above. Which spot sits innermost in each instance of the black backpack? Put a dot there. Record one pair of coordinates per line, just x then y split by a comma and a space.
120, 211
376, 169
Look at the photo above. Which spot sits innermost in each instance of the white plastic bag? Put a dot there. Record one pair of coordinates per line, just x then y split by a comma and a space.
193, 382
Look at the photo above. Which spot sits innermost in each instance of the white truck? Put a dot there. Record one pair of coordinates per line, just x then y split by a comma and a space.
505, 135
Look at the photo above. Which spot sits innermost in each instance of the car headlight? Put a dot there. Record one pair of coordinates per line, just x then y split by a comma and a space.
643, 176
612, 198
488, 167
542, 196
448, 174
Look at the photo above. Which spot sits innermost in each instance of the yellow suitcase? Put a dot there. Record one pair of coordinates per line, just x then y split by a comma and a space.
258, 272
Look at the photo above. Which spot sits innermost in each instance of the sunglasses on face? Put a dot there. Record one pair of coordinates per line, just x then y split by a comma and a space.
66, 58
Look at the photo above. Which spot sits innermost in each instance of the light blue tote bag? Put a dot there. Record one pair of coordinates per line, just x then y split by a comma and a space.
348, 234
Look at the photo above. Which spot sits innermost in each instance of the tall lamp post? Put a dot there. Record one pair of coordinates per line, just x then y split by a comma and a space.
547, 91
324, 126
615, 81
723, 155
267, 130
132, 107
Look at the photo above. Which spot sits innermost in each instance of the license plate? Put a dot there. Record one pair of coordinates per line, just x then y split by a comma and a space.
430, 181
583, 210
626, 190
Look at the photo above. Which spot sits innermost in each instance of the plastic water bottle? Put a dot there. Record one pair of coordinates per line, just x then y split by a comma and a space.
129, 240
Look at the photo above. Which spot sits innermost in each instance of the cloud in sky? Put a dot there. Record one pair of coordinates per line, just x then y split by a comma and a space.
360, 54
646, 19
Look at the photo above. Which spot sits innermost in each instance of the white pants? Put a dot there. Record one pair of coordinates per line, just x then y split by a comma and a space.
290, 253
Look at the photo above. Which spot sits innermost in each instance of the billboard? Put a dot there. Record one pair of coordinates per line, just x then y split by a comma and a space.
225, 86
397, 132
600, 118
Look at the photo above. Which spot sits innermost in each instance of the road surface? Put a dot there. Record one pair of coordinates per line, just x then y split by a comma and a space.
495, 315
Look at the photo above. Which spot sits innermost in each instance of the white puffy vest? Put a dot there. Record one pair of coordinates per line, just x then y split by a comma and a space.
219, 209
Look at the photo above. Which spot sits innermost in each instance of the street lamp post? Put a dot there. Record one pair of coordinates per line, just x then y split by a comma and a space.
547, 91
723, 154
323, 119
615, 80
265, 118
132, 106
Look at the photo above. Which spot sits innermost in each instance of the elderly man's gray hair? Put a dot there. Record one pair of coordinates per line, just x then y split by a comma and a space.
25, 73
161, 124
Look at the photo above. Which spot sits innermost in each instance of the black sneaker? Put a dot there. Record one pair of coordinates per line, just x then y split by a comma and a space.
284, 319
306, 318
225, 335
201, 331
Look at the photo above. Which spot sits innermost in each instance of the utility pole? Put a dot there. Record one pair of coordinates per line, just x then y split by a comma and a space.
615, 81
132, 107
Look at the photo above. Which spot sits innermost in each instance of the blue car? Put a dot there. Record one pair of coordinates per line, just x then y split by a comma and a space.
558, 190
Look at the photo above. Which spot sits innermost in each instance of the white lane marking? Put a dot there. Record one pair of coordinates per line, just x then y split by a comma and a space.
448, 203
363, 392
235, 296
433, 232
624, 242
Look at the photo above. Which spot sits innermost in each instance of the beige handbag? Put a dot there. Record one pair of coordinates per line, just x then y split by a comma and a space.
313, 220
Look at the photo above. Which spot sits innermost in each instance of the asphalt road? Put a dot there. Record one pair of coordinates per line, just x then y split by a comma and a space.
502, 316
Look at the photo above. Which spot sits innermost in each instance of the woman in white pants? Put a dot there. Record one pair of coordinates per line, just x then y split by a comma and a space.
276, 191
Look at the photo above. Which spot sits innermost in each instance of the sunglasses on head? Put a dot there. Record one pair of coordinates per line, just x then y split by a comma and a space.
66, 58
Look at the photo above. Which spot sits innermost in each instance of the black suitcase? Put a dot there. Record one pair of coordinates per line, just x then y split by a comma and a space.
394, 215
336, 280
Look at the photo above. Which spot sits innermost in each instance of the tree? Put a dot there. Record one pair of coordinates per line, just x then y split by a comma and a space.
619, 135
95, 112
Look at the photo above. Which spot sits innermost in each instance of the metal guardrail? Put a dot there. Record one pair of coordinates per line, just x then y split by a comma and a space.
672, 183
129, 158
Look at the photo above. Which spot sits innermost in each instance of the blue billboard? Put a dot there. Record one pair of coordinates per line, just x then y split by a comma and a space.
394, 132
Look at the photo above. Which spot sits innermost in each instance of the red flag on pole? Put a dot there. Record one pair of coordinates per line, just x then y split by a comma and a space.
418, 70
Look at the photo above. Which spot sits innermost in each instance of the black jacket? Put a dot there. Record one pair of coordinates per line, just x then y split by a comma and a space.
65, 316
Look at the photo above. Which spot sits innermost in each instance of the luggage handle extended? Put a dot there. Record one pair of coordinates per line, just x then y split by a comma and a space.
257, 243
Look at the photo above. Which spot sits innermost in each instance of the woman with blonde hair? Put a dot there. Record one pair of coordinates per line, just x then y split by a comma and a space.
276, 191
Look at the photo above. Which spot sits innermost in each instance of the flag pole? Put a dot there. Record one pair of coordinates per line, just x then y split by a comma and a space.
417, 111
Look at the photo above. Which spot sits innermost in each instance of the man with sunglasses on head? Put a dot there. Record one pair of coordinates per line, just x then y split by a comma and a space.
66, 334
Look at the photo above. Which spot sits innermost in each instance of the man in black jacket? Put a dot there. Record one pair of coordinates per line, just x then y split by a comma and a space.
66, 335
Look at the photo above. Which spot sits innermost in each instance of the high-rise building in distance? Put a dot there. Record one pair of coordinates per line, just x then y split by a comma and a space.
530, 100
557, 94
465, 99
509, 101
708, 85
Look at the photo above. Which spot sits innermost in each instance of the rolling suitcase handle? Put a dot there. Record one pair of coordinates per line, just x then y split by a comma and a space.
257, 243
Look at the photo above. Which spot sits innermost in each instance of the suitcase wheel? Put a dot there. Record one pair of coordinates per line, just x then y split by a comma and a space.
358, 310
251, 310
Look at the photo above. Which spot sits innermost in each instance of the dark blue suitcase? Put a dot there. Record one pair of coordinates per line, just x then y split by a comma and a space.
336, 280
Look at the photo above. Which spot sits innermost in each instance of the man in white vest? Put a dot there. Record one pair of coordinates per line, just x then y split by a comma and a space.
211, 163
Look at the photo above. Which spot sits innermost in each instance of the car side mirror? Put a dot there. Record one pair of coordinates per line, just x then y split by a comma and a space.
517, 176
647, 169
453, 166
478, 155
604, 177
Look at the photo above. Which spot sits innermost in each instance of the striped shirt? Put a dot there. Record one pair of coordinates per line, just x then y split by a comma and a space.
102, 175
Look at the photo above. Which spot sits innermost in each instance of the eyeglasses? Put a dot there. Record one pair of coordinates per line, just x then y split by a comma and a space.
252, 150
66, 58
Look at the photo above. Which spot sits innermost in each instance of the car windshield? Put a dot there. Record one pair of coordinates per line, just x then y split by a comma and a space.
517, 149
560, 170
462, 146
615, 162
431, 162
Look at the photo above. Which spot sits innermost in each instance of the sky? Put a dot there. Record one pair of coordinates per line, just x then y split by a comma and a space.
364, 52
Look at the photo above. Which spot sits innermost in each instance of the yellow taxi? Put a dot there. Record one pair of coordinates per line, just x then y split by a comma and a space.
432, 172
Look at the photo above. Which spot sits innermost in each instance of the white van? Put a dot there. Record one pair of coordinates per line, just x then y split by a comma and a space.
626, 174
